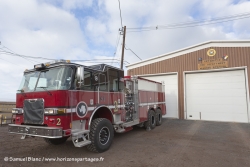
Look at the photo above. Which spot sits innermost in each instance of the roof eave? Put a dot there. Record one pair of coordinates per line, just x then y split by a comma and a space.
190, 48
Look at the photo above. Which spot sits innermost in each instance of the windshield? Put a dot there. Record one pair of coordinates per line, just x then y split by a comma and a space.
49, 79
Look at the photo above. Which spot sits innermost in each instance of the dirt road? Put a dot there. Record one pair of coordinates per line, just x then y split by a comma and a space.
174, 143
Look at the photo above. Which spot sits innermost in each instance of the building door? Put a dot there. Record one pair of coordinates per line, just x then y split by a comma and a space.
171, 92
217, 96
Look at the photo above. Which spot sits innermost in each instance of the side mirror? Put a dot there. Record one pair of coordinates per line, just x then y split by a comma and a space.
80, 74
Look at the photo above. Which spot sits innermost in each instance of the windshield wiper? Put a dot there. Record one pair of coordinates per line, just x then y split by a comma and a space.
22, 91
45, 89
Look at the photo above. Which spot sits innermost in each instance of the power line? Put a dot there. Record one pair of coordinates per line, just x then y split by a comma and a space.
15, 54
11, 52
119, 59
192, 23
117, 42
217, 18
23, 56
96, 60
198, 21
2, 51
10, 62
133, 52
120, 12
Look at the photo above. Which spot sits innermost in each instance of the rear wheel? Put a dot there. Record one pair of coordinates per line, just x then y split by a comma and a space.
56, 141
101, 135
158, 117
151, 123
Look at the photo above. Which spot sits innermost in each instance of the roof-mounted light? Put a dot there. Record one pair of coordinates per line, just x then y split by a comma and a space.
59, 61
44, 65
38, 66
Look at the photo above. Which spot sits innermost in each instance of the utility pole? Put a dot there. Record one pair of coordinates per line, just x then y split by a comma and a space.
123, 46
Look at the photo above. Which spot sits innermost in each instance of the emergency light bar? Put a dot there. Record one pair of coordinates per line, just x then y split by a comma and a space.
43, 65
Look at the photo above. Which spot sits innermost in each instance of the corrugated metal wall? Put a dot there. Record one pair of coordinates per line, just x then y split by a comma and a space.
238, 57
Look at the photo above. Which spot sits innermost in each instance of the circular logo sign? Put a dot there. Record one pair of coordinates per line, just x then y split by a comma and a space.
81, 109
211, 52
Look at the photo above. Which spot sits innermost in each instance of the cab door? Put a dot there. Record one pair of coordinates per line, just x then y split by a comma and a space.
101, 89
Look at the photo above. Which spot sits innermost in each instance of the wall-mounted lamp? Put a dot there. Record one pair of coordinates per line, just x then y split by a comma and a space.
200, 59
225, 57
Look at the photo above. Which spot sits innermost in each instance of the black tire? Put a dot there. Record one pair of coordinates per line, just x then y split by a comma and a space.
158, 117
101, 135
56, 141
151, 123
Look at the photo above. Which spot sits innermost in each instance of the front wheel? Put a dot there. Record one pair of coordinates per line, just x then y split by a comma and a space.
101, 135
56, 141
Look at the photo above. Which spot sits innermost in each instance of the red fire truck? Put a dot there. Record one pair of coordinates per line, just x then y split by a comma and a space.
60, 99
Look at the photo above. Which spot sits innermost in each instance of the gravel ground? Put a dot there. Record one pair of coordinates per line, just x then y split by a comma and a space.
174, 143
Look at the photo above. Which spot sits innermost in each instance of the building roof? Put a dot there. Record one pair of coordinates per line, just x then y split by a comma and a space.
224, 43
7, 102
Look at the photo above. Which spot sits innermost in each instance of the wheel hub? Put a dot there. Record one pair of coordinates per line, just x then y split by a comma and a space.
104, 135
153, 120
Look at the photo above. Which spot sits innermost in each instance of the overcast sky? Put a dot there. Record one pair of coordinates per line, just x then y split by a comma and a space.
88, 29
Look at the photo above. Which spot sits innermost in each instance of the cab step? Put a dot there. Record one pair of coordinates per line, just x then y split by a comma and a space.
82, 143
78, 132
80, 137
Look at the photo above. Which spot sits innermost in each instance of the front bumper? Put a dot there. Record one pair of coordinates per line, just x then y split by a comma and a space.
40, 131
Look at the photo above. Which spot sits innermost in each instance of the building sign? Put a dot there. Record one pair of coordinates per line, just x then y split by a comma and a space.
211, 52
212, 64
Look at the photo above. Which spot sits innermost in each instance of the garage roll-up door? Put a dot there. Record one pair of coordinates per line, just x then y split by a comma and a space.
217, 96
171, 92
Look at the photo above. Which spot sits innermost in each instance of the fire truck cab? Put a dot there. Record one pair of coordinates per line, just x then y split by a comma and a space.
60, 99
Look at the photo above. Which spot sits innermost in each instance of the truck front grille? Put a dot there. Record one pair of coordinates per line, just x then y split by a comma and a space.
33, 111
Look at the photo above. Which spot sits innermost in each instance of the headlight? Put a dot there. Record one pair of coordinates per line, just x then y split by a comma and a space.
54, 111
50, 111
17, 111
61, 110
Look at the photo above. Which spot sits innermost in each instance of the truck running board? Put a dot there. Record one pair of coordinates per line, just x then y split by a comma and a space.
80, 137
124, 127
131, 123
120, 130
119, 122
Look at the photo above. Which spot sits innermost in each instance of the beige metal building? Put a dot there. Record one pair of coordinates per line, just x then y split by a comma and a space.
208, 81
7, 106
